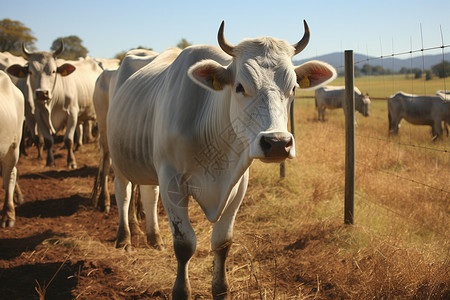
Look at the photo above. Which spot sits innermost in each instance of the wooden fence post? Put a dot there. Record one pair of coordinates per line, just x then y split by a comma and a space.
349, 108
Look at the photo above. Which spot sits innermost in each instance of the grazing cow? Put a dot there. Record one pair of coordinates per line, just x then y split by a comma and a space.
60, 100
418, 110
333, 97
193, 123
105, 84
11, 123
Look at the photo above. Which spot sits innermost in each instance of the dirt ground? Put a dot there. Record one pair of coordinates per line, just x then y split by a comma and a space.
56, 205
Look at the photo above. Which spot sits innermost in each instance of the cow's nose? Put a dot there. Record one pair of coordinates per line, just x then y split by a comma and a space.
276, 146
42, 95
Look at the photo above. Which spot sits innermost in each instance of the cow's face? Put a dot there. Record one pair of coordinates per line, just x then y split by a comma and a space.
262, 80
362, 104
262, 90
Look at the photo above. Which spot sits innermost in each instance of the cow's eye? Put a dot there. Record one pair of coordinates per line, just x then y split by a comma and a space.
240, 89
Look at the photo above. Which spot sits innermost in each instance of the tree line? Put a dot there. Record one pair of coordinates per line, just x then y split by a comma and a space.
14, 33
440, 70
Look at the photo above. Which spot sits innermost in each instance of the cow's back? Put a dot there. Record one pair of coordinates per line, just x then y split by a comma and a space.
330, 97
416, 109
164, 104
78, 89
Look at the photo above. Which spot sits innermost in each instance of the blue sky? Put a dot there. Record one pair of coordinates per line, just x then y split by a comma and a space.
108, 27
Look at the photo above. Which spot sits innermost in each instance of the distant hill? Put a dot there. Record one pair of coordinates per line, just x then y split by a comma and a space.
393, 63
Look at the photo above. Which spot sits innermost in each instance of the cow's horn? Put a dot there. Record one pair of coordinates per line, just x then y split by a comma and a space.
227, 47
304, 41
25, 51
60, 50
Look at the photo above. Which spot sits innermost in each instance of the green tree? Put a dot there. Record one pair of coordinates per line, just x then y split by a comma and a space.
73, 49
13, 34
417, 73
183, 44
442, 70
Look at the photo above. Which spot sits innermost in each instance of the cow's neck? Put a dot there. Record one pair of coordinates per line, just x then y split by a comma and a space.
222, 159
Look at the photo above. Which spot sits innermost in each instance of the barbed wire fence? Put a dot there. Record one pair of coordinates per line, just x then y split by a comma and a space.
441, 189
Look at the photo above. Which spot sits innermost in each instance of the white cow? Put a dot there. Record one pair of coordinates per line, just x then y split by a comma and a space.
60, 100
7, 59
11, 123
193, 123
108, 64
333, 97
104, 86
419, 110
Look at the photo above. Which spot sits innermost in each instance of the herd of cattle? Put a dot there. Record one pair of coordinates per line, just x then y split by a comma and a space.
180, 124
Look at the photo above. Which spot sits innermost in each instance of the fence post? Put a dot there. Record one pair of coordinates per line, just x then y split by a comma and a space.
282, 164
349, 108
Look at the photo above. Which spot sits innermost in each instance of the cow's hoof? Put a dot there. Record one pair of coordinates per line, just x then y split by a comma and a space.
107, 209
8, 223
20, 200
127, 247
155, 241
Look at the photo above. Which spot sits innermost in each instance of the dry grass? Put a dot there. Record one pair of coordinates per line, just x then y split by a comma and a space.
290, 241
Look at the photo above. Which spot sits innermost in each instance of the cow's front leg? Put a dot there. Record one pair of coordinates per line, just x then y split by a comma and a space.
175, 199
221, 241
69, 137
50, 157
71, 162
9, 182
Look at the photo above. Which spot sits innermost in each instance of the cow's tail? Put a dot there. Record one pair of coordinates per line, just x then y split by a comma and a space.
391, 129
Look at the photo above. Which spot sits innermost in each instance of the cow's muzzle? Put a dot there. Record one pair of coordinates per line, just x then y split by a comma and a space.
276, 147
42, 95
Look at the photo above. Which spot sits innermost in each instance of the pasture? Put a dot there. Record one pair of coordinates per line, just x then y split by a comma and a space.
290, 241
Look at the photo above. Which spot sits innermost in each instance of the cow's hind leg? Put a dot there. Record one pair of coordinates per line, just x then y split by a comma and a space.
149, 196
50, 156
133, 212
221, 242
71, 161
123, 193
100, 192
18, 193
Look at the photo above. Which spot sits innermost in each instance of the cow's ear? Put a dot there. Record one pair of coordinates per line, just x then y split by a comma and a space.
210, 74
314, 74
18, 71
66, 69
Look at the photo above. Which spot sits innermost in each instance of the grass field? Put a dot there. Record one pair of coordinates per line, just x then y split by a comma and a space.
399, 245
